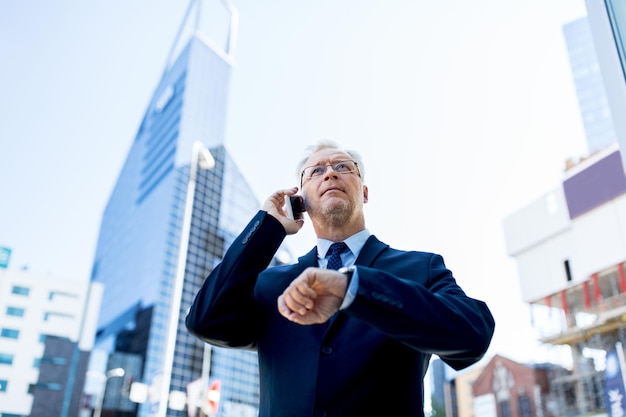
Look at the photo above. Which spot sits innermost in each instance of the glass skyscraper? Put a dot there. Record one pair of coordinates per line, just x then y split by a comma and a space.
592, 98
607, 19
143, 233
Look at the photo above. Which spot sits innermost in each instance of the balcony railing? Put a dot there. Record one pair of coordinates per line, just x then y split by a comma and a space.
579, 321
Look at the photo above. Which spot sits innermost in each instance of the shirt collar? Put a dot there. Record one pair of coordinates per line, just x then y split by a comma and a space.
355, 244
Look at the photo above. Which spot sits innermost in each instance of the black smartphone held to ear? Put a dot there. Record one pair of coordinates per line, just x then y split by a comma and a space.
295, 206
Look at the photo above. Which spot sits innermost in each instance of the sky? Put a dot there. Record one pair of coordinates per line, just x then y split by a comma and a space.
464, 112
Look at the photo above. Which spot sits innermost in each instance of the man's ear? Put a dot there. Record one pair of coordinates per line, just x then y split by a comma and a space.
365, 193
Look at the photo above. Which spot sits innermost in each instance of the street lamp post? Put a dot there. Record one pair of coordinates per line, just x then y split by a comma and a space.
200, 158
109, 374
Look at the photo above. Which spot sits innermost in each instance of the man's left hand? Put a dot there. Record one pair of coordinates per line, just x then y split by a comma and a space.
314, 296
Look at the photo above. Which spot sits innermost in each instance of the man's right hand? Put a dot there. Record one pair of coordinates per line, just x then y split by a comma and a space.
275, 206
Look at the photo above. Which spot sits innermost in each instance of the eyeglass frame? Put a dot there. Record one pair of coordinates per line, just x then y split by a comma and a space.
356, 169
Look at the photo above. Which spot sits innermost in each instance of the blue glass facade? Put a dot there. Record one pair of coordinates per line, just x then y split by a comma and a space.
616, 10
592, 98
140, 237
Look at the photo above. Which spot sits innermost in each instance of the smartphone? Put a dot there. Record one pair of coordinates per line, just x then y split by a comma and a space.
295, 206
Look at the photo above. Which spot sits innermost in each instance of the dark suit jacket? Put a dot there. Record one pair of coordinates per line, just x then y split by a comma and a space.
372, 359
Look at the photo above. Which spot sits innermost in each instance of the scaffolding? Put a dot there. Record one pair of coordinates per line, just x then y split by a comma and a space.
590, 318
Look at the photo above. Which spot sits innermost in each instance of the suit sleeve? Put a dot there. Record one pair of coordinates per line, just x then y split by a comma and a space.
223, 312
420, 304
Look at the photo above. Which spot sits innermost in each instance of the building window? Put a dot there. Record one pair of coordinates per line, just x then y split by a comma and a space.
525, 406
9, 333
52, 386
55, 294
3, 385
49, 315
55, 360
20, 290
6, 359
505, 408
15, 311
568, 270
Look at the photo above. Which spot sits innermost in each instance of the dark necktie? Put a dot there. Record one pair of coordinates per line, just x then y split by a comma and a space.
334, 258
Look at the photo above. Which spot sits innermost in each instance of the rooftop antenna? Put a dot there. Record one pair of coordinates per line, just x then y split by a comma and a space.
192, 25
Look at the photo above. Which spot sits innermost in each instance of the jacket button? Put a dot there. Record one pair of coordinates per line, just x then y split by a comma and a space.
327, 350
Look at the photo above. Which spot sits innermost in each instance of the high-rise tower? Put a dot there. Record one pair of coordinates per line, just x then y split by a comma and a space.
592, 99
607, 19
173, 212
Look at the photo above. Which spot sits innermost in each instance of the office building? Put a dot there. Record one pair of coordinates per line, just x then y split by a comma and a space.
46, 334
460, 400
592, 100
437, 373
607, 21
173, 212
443, 387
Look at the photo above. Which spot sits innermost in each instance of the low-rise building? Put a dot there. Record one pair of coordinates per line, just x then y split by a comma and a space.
46, 332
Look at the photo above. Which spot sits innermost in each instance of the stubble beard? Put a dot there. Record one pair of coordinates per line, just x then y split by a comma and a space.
337, 214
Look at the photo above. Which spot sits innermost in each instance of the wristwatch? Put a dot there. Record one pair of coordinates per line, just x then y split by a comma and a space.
349, 271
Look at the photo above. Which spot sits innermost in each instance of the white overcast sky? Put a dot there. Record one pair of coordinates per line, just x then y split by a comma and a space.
463, 111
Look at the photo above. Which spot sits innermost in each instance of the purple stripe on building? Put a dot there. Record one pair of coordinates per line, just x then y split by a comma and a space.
595, 185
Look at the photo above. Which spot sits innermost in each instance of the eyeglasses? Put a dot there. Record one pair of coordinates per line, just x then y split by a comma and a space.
340, 167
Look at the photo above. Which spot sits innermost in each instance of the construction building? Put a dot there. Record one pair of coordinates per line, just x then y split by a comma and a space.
570, 249
570, 244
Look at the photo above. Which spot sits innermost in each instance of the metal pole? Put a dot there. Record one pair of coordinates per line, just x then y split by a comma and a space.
111, 373
206, 371
172, 328
98, 410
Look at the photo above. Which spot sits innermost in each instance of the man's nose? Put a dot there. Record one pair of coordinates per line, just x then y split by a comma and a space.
332, 173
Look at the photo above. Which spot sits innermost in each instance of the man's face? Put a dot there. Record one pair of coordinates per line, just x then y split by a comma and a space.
332, 196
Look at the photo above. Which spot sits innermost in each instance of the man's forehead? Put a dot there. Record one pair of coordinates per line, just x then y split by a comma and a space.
325, 155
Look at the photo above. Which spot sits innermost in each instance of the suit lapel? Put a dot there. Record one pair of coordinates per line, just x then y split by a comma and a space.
371, 251
310, 259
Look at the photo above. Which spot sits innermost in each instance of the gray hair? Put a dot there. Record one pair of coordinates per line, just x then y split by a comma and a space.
329, 144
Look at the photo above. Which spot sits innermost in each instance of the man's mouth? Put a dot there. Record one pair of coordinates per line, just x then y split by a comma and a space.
331, 189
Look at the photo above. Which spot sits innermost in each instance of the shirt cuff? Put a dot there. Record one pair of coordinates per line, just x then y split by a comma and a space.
353, 288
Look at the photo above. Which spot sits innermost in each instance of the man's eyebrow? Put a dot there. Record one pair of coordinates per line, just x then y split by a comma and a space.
328, 161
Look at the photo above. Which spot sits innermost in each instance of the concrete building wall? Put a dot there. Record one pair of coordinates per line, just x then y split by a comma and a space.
599, 237
33, 307
536, 222
464, 397
555, 245
52, 395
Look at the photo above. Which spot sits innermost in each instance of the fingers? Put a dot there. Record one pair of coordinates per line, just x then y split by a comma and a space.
313, 297
297, 302
276, 201
275, 206
286, 312
299, 297
309, 317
